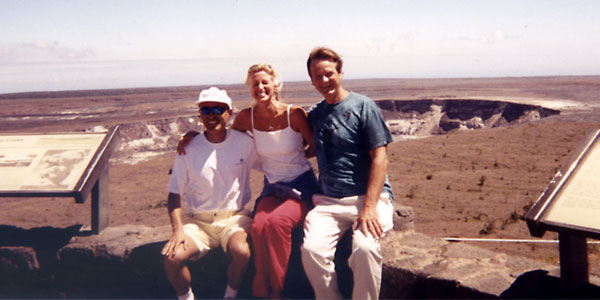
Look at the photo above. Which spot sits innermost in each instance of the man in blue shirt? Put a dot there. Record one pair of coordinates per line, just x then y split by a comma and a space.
350, 140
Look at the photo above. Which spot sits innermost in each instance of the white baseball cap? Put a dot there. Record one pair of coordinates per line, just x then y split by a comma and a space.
214, 94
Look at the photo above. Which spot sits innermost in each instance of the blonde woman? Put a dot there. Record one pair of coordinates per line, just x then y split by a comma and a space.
283, 141
280, 133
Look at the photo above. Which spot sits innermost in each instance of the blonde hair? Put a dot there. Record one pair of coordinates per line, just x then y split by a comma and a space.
262, 67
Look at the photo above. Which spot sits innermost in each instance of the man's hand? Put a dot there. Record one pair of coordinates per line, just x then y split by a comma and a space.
185, 140
368, 218
176, 240
368, 222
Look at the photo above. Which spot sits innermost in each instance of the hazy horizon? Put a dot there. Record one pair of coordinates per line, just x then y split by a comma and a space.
242, 85
81, 45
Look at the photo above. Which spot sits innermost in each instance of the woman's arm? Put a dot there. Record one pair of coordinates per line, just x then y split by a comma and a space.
242, 121
298, 118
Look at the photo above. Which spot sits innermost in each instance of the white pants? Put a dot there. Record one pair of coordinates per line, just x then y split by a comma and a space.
323, 228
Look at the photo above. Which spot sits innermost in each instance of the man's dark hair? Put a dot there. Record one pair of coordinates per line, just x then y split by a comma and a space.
324, 53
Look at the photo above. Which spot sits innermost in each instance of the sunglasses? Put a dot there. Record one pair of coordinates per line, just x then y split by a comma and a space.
212, 110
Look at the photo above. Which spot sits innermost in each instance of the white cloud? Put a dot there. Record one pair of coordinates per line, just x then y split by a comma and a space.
390, 43
492, 37
41, 51
489, 37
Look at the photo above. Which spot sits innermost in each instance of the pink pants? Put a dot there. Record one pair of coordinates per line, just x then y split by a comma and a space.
271, 234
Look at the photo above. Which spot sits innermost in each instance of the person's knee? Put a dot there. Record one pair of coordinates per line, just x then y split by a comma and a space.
177, 260
239, 250
256, 228
365, 245
365, 250
309, 247
279, 224
307, 254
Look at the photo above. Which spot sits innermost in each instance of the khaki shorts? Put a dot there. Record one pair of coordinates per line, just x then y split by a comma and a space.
211, 229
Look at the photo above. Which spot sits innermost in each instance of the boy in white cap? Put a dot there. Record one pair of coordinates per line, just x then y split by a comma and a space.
214, 178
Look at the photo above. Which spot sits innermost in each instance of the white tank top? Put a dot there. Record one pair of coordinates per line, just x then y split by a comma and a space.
281, 152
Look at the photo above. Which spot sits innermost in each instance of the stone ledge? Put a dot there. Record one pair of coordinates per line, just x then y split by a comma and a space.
125, 262
420, 266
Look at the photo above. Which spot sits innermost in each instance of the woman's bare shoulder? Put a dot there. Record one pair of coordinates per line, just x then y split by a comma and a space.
244, 113
242, 120
297, 112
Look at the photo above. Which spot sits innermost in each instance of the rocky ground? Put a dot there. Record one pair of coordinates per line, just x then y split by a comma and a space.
467, 183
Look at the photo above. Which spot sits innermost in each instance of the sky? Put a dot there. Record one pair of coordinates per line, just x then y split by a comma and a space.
51, 45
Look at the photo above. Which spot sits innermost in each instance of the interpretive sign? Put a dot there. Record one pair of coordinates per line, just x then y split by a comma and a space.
571, 202
59, 165
570, 205
45, 162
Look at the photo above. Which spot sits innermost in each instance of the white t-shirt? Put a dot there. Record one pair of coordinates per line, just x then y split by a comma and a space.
215, 176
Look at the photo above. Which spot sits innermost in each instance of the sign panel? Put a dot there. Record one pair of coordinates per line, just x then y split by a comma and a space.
578, 202
571, 202
53, 162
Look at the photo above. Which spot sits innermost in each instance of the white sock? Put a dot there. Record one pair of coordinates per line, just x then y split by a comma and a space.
230, 293
187, 296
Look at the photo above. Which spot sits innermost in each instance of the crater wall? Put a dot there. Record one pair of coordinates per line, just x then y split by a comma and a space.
405, 118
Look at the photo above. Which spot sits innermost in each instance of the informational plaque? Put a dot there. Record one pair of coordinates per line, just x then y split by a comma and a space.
59, 165
571, 202
45, 162
570, 205
578, 202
